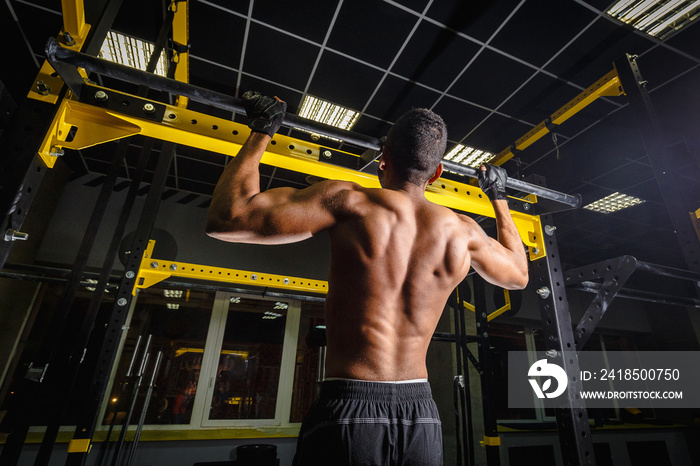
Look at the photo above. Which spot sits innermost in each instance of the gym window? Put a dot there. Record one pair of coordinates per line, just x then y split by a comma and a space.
227, 360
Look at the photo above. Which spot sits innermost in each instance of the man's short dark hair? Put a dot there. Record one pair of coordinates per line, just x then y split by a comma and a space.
416, 144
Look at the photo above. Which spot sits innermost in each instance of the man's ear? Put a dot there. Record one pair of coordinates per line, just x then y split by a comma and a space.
382, 159
436, 175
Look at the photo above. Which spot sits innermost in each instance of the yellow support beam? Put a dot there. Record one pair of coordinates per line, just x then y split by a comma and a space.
74, 19
695, 220
506, 307
153, 270
608, 85
47, 85
491, 441
79, 446
97, 124
181, 38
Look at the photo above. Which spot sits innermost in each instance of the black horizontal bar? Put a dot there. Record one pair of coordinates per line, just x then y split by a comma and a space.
57, 55
514, 183
669, 271
640, 295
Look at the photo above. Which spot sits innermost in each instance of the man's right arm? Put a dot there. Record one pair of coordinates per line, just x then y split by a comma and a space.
502, 262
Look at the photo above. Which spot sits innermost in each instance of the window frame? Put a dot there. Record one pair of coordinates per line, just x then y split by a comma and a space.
200, 406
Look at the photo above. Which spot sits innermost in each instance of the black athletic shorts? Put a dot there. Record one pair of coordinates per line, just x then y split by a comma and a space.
357, 423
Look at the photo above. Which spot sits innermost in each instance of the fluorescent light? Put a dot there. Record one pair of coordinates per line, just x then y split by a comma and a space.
613, 203
468, 156
328, 114
235, 299
172, 293
173, 306
131, 51
658, 18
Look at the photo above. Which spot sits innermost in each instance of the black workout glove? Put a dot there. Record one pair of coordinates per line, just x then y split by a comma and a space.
492, 181
265, 114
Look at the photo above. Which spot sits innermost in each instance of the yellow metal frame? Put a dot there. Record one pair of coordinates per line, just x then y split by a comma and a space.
609, 85
75, 25
695, 220
96, 125
153, 270
181, 37
79, 446
491, 441
506, 307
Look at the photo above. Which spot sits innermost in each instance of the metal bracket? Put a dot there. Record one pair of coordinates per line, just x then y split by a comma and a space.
126, 104
614, 273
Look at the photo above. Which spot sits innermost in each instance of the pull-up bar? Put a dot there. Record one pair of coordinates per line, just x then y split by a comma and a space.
59, 57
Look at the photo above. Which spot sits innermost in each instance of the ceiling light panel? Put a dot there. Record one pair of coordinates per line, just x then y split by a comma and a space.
613, 203
328, 113
130, 51
658, 18
468, 156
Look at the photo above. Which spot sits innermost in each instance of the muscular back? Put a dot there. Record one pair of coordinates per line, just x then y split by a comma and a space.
394, 262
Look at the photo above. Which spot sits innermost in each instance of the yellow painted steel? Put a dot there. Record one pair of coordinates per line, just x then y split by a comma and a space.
48, 76
506, 307
96, 125
153, 270
79, 445
74, 19
608, 85
181, 37
502, 309
74, 24
695, 220
491, 441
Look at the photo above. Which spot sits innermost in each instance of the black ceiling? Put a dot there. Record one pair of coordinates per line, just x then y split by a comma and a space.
493, 70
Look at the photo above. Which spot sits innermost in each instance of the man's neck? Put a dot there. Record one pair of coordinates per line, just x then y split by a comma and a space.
411, 190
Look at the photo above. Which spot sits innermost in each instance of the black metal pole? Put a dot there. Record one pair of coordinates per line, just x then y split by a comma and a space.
114, 327
144, 411
661, 158
58, 55
132, 402
467, 356
668, 271
460, 434
571, 200
122, 393
572, 418
491, 444
71, 367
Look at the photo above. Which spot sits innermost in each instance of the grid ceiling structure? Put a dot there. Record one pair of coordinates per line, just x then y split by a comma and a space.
491, 69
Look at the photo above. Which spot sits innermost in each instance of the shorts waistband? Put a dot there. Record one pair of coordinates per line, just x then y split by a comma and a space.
376, 391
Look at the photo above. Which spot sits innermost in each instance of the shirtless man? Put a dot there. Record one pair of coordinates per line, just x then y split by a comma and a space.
395, 259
